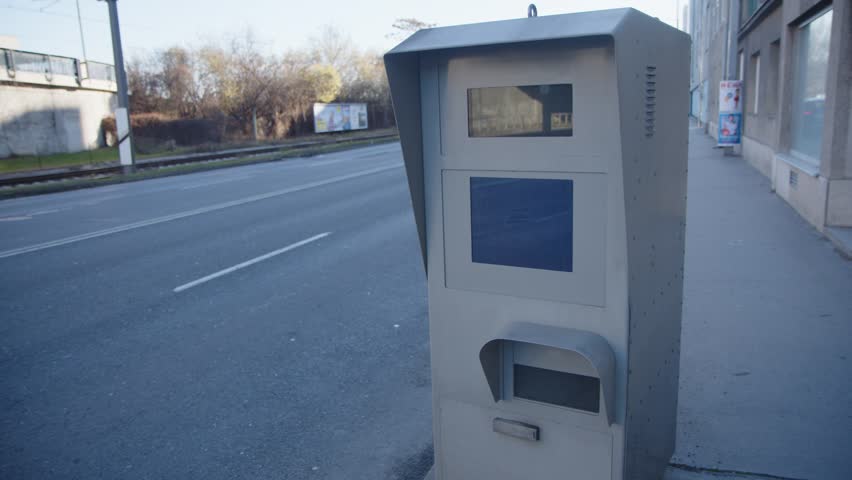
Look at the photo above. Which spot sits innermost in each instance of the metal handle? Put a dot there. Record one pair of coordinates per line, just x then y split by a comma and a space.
532, 11
513, 428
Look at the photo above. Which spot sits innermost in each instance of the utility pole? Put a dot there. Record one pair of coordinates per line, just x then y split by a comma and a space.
254, 123
122, 113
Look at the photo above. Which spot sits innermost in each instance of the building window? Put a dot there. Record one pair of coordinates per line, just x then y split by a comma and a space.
740, 65
812, 39
770, 97
754, 83
747, 9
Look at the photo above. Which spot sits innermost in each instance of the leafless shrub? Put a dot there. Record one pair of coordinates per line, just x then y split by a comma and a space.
235, 86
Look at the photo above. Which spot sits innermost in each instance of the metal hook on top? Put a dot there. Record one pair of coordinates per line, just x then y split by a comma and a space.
532, 11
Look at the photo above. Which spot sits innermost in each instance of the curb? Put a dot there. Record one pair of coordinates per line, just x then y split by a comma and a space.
841, 238
685, 472
677, 472
30, 177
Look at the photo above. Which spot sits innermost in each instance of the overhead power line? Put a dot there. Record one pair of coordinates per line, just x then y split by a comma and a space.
74, 17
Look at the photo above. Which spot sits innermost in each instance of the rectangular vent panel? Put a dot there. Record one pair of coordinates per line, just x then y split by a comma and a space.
650, 99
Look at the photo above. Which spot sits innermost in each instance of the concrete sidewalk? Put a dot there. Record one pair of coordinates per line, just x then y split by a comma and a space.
766, 362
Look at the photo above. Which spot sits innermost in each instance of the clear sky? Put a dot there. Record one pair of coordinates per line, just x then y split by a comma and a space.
50, 26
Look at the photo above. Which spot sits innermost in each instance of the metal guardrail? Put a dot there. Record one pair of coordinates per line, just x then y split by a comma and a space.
29, 62
100, 71
16, 61
25, 179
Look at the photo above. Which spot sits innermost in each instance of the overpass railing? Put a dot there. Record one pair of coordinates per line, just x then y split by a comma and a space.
42, 69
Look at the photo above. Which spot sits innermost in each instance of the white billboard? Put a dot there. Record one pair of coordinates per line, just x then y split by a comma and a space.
338, 117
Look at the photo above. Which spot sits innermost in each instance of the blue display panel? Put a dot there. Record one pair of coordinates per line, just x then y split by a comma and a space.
522, 222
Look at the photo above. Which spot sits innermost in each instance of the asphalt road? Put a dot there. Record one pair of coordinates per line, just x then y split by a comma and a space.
269, 322
266, 321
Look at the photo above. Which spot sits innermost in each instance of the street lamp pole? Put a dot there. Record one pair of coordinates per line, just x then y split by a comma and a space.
122, 113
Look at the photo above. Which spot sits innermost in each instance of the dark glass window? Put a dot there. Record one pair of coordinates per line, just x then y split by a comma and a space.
558, 388
522, 222
524, 111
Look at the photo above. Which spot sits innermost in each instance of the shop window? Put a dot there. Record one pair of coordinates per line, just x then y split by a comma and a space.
813, 40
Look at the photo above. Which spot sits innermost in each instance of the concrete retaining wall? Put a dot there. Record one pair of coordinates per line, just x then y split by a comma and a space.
44, 120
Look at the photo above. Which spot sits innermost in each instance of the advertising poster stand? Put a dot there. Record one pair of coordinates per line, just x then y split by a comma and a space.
730, 113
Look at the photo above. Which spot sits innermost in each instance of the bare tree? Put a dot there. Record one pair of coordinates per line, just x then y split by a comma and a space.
210, 62
144, 84
370, 83
235, 82
334, 47
404, 27
178, 83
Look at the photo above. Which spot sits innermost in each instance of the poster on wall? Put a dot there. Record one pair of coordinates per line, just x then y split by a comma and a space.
339, 117
730, 113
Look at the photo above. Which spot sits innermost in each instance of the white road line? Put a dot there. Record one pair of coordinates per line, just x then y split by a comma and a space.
323, 163
48, 211
191, 213
99, 200
247, 263
368, 155
216, 182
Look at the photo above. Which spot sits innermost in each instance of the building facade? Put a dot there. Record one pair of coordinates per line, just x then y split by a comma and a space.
713, 42
52, 104
795, 60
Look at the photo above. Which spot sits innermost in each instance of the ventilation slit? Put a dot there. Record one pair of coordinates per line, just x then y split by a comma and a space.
650, 99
